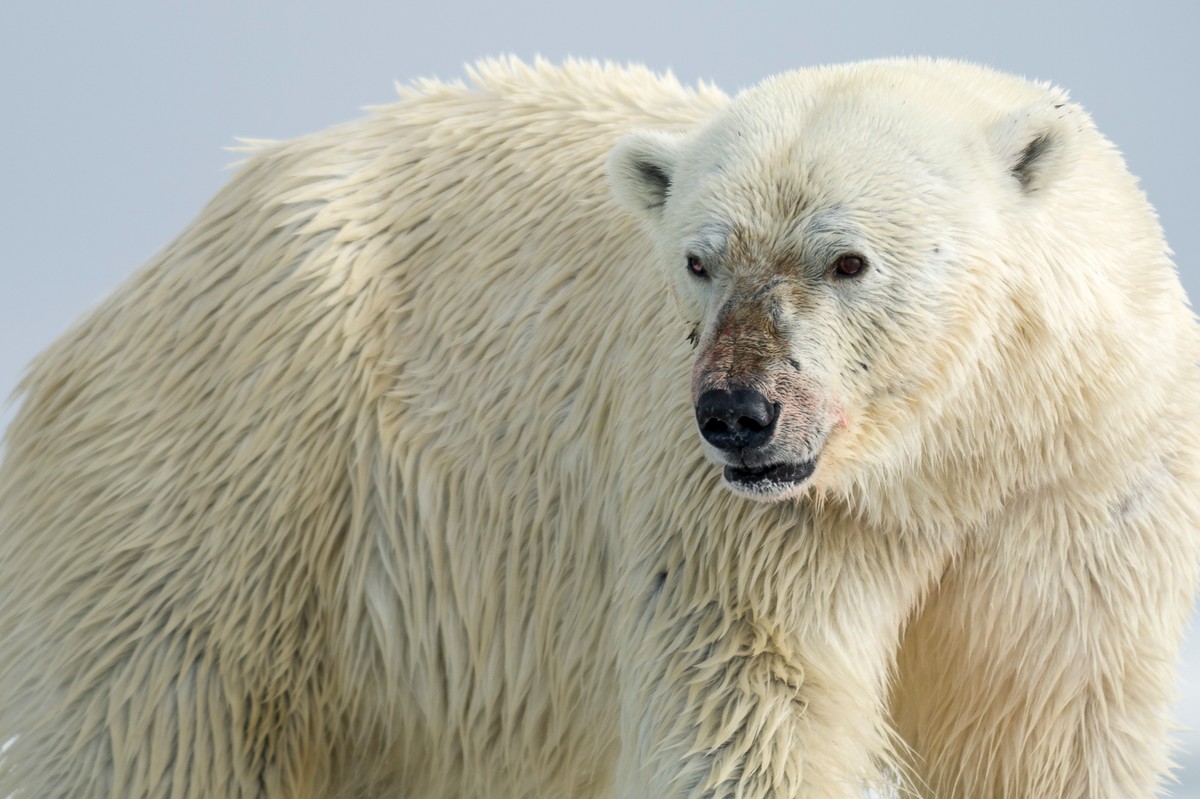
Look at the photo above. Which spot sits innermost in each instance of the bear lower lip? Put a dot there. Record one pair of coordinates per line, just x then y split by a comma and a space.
763, 478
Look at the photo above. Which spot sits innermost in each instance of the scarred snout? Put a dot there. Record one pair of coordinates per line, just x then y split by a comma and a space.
763, 416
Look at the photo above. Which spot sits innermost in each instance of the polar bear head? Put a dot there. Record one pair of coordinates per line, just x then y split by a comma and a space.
840, 242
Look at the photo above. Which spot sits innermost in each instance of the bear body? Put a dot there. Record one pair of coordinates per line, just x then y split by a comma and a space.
402, 472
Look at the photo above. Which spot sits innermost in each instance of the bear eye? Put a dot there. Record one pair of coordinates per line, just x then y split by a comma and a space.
849, 265
696, 266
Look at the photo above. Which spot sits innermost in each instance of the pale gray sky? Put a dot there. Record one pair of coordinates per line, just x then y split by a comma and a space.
115, 114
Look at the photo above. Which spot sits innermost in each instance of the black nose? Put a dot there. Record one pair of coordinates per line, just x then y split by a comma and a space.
736, 420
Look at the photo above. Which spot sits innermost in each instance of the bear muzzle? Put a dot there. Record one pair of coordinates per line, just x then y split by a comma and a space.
740, 425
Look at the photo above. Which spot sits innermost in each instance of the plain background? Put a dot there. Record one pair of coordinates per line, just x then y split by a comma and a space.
115, 115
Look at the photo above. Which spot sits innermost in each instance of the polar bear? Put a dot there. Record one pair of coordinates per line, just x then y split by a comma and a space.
579, 434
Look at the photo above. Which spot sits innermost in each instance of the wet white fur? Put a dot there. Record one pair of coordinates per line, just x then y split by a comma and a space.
383, 479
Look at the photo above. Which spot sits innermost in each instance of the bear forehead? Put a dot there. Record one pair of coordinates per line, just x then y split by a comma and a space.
831, 139
803, 145
807, 177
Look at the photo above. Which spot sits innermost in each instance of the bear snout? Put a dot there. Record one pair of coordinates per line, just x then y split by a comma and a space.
735, 420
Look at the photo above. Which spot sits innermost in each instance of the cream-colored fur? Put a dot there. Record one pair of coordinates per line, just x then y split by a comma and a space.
383, 480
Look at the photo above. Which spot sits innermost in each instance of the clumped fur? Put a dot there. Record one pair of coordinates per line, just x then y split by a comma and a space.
383, 479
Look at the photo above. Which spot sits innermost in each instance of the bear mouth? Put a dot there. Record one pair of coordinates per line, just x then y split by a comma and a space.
770, 479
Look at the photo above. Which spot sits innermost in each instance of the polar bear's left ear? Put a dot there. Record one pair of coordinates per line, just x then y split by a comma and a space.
642, 170
1040, 142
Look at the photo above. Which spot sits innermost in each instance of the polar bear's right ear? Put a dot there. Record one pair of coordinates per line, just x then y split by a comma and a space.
641, 172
